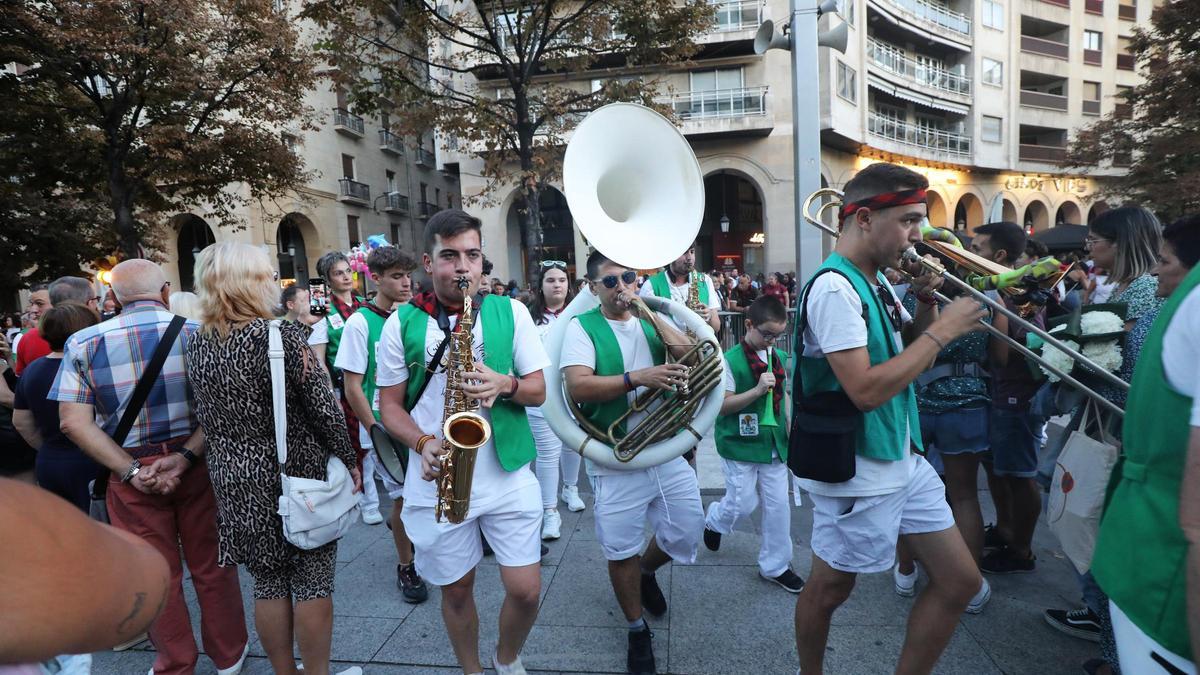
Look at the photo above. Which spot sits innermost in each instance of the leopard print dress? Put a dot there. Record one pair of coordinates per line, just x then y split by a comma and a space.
231, 381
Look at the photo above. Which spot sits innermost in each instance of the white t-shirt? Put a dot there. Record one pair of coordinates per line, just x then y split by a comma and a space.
835, 324
491, 482
320, 329
578, 350
1181, 351
727, 376
543, 330
352, 357
680, 294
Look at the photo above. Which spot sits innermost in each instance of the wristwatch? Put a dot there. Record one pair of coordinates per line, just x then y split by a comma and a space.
189, 456
132, 471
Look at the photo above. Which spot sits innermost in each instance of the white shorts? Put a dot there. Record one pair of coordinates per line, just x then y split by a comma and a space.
858, 534
1140, 653
668, 495
394, 490
446, 552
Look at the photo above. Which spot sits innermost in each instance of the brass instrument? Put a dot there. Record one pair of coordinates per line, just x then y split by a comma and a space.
464, 430
911, 255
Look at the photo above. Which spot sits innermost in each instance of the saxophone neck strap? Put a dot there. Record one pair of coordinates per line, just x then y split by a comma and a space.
443, 322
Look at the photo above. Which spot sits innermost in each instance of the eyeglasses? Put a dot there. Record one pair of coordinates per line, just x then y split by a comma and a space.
554, 263
769, 337
627, 277
1092, 241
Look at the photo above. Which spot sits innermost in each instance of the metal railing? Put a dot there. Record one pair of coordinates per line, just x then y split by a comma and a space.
1094, 7
736, 14
718, 103
1127, 12
1091, 107
937, 14
396, 203
1042, 153
425, 157
426, 209
389, 142
936, 140
733, 330
352, 189
1038, 99
1093, 57
1126, 62
910, 69
1037, 45
345, 119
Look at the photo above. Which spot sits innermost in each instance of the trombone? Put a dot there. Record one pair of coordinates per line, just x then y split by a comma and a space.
936, 268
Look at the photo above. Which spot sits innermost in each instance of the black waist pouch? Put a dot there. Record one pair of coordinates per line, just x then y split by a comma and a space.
822, 439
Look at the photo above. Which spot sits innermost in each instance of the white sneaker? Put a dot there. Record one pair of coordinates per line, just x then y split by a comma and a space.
551, 525
906, 584
570, 497
514, 668
372, 517
237, 667
981, 598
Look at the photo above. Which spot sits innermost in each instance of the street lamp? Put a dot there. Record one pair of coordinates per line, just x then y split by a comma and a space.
798, 38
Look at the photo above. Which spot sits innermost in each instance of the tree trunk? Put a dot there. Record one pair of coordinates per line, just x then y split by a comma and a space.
121, 198
533, 231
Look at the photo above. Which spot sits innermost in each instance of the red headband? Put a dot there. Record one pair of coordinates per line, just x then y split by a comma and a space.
883, 201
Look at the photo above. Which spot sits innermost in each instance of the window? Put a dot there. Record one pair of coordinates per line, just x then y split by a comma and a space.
847, 11
715, 80
290, 142
508, 26
391, 180
1124, 45
993, 72
352, 228
1091, 40
991, 129
1091, 91
348, 167
343, 101
993, 14
385, 122
847, 82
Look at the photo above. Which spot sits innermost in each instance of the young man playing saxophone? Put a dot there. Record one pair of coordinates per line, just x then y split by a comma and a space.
610, 355
505, 500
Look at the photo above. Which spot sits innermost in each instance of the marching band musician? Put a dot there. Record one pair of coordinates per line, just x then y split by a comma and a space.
851, 343
610, 354
753, 445
505, 500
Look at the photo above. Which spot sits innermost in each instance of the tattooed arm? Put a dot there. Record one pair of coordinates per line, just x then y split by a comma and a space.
72, 586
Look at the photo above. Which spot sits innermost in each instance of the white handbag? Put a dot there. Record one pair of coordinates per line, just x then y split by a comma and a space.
1077, 491
315, 512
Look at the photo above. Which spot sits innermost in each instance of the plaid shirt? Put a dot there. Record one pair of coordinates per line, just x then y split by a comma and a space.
102, 364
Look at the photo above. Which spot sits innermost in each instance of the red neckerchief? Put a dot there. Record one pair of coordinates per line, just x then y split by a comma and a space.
376, 309
555, 314
345, 310
427, 302
757, 368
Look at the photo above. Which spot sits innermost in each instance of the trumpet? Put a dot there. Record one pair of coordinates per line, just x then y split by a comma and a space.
936, 268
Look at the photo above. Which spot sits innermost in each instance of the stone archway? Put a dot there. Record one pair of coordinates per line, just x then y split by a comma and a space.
938, 215
291, 249
558, 236
733, 231
968, 214
1096, 209
194, 235
1009, 211
1037, 216
1068, 214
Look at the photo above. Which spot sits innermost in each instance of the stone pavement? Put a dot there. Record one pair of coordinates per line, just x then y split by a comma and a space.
722, 618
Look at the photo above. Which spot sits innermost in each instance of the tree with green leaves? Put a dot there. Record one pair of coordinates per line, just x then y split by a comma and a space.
1155, 128
507, 79
149, 107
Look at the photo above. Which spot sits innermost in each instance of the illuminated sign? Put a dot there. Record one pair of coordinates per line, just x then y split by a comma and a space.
758, 238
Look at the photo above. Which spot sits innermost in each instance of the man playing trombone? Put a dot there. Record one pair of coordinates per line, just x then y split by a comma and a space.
852, 324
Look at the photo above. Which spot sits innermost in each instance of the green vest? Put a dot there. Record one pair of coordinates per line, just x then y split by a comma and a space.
510, 427
374, 330
731, 444
1141, 553
335, 334
884, 429
661, 285
609, 361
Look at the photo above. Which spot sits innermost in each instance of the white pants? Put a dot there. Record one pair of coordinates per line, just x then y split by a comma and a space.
667, 495
368, 500
746, 484
549, 454
1137, 651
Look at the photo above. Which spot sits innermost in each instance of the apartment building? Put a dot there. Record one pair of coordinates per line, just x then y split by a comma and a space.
979, 95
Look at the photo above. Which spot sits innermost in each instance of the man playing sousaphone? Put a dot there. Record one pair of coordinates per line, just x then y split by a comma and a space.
851, 323
504, 498
611, 354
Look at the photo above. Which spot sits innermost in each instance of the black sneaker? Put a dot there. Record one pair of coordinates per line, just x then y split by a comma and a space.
789, 580
992, 538
487, 548
652, 595
411, 585
1082, 623
712, 539
1005, 561
545, 550
641, 652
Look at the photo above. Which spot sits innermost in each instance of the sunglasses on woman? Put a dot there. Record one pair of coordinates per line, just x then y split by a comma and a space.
554, 263
627, 277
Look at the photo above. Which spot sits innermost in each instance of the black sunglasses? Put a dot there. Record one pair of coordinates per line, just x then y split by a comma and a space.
555, 263
891, 306
627, 277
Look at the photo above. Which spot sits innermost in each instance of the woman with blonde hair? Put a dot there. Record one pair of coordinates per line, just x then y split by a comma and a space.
230, 376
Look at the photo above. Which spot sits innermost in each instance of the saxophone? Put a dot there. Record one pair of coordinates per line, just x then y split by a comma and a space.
464, 430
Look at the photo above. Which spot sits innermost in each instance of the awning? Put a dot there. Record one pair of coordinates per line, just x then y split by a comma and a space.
914, 96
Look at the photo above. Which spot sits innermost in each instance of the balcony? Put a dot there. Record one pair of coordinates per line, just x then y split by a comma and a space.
955, 146
1051, 48
1037, 99
741, 111
1059, 3
353, 192
395, 203
936, 14
1127, 12
1094, 7
920, 74
736, 15
1042, 153
348, 123
1093, 57
1123, 111
391, 143
426, 209
1125, 62
425, 158
1091, 107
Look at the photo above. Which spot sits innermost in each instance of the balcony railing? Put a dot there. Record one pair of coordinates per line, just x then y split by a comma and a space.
718, 103
347, 122
1039, 99
352, 190
1093, 57
1036, 45
1094, 7
936, 14
1052, 154
733, 15
426, 209
1125, 62
1127, 12
1091, 107
944, 142
1123, 111
425, 158
389, 142
396, 203
916, 72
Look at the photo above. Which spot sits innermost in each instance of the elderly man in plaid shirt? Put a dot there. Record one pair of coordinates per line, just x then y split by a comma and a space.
155, 490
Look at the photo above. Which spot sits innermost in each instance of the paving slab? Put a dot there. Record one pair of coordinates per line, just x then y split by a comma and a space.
581, 594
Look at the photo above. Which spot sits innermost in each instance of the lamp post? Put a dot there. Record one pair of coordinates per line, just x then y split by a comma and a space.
801, 38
